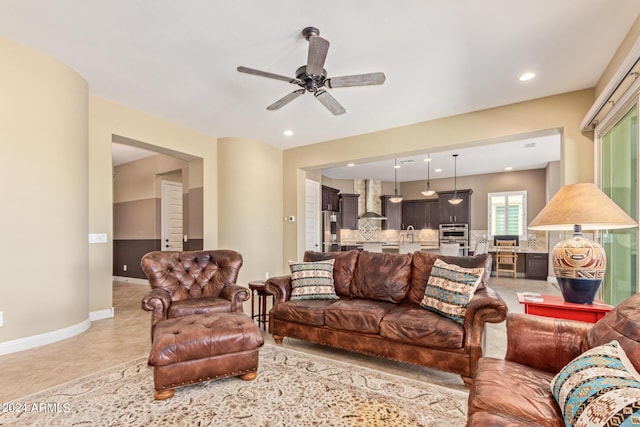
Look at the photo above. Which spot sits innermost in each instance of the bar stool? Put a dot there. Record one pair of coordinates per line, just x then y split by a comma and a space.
257, 288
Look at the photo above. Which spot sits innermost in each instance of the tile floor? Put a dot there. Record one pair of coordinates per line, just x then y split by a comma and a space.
126, 336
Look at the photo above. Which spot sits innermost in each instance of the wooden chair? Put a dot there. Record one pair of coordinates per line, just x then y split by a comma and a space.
506, 257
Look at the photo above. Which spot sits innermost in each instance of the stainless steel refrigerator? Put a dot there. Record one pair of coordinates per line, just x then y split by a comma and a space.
330, 231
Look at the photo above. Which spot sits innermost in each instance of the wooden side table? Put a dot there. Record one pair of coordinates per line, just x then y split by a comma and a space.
556, 306
257, 288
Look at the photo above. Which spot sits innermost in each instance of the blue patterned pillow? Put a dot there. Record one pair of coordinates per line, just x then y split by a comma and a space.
312, 280
450, 288
599, 388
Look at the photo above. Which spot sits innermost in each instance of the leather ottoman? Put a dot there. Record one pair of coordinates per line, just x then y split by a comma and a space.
203, 347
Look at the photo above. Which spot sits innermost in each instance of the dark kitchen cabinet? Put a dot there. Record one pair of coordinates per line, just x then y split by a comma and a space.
420, 214
433, 214
414, 212
537, 266
393, 213
455, 214
348, 204
330, 199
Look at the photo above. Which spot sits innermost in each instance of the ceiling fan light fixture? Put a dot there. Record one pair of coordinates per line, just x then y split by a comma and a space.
312, 77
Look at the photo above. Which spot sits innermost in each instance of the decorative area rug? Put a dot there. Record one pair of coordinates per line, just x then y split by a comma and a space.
292, 389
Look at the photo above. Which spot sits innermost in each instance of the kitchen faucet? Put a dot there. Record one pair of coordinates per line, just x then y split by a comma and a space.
410, 228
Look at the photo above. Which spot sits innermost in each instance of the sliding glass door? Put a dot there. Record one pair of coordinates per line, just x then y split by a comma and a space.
619, 180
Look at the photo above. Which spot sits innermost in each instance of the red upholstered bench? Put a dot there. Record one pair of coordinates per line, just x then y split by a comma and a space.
202, 347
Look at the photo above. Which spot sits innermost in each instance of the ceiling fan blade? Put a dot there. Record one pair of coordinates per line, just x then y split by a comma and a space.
356, 80
285, 100
330, 102
318, 48
268, 75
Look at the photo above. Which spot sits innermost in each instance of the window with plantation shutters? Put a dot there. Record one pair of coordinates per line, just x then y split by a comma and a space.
507, 213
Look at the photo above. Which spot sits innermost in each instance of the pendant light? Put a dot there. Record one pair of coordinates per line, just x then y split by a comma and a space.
396, 198
455, 200
427, 192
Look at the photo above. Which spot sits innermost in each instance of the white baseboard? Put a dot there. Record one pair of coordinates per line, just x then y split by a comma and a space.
101, 314
44, 339
133, 280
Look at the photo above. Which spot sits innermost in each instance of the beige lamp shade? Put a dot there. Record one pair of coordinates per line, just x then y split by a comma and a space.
581, 204
579, 264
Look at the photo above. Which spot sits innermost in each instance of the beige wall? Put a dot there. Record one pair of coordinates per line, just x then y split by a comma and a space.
43, 105
563, 112
343, 185
107, 119
250, 205
618, 57
137, 193
137, 180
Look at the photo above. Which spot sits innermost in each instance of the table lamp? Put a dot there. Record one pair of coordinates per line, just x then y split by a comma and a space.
579, 263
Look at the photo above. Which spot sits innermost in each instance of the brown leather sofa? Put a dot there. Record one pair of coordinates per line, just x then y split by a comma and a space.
378, 312
192, 282
515, 391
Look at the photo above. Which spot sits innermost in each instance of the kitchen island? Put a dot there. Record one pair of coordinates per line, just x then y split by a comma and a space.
388, 247
532, 262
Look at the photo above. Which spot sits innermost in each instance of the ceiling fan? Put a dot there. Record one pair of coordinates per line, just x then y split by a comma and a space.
313, 77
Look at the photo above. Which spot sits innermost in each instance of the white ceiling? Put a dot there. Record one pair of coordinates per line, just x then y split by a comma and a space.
177, 59
532, 152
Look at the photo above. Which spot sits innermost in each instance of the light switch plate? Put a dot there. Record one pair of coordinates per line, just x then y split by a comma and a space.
97, 237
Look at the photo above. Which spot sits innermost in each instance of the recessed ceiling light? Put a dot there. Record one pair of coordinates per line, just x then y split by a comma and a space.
438, 170
428, 159
397, 166
527, 76
288, 132
351, 164
508, 168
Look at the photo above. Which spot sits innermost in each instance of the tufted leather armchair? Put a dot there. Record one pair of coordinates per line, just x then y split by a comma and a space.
192, 282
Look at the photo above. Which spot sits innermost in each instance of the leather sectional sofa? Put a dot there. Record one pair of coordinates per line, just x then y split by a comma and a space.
378, 311
516, 391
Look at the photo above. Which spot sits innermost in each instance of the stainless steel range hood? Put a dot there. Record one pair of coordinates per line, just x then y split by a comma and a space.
369, 194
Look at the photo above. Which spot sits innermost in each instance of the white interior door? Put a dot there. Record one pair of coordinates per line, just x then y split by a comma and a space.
312, 215
171, 216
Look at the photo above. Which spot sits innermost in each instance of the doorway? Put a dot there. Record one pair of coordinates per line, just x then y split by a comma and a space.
137, 204
312, 215
171, 216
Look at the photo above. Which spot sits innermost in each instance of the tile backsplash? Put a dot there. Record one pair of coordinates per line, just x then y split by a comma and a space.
536, 240
388, 236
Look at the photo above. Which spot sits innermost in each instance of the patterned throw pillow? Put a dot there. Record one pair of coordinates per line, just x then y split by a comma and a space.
450, 288
312, 280
599, 388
